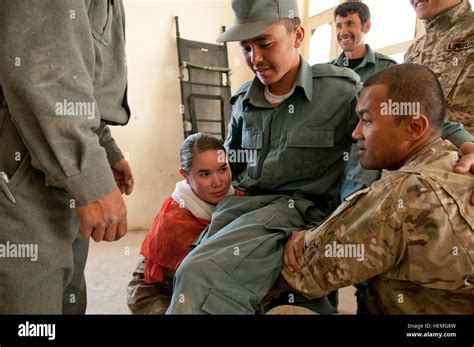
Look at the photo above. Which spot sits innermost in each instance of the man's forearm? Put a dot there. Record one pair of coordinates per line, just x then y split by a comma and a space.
456, 133
47, 84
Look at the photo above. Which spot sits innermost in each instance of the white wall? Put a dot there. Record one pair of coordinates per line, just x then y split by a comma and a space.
152, 139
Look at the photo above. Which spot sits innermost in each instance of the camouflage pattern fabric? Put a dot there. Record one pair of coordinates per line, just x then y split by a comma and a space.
447, 48
410, 235
148, 298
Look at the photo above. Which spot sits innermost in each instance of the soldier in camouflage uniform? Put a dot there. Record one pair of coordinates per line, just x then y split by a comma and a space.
409, 233
447, 48
353, 22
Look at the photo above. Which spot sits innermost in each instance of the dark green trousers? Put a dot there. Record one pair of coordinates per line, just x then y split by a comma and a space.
42, 255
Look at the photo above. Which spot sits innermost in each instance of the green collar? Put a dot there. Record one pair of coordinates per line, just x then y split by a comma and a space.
304, 80
368, 58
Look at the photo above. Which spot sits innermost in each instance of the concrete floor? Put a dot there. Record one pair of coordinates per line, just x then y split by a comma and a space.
108, 271
110, 267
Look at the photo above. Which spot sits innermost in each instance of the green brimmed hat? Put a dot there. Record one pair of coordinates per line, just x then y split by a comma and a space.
253, 17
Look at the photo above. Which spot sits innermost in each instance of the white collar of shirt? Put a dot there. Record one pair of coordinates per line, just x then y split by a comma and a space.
186, 198
276, 99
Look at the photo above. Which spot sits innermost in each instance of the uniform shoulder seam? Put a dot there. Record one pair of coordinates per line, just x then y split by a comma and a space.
384, 57
330, 70
243, 88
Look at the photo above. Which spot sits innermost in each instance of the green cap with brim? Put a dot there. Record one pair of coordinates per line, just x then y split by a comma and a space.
253, 17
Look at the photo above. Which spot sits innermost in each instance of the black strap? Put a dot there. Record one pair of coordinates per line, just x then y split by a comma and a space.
2, 114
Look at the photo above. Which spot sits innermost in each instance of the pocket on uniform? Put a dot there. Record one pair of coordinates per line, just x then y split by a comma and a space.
20, 172
248, 242
252, 139
218, 303
100, 16
14, 157
305, 149
228, 258
311, 138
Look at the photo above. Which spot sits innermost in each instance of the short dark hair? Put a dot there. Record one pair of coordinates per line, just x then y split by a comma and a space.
413, 83
350, 7
198, 143
291, 23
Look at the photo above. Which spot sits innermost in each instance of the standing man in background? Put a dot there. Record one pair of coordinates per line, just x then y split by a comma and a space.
352, 24
447, 49
62, 81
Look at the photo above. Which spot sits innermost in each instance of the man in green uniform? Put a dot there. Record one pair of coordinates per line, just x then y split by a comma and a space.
447, 48
297, 120
395, 233
352, 24
62, 80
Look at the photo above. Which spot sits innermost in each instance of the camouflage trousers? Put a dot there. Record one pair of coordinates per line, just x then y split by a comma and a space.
144, 298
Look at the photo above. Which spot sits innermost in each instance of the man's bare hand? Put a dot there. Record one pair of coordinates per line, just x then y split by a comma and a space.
293, 251
105, 219
123, 176
466, 163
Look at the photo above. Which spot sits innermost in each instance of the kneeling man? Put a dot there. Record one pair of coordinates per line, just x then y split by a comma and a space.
410, 234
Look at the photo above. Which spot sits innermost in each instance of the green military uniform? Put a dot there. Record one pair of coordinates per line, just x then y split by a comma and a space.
63, 78
299, 146
414, 227
373, 62
447, 48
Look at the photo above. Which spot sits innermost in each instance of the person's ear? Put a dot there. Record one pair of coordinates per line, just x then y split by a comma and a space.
416, 127
184, 174
366, 27
299, 36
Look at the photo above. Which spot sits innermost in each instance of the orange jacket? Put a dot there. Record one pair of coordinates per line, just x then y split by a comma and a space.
169, 239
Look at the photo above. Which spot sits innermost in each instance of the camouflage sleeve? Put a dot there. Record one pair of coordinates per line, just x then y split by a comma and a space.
361, 239
409, 53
